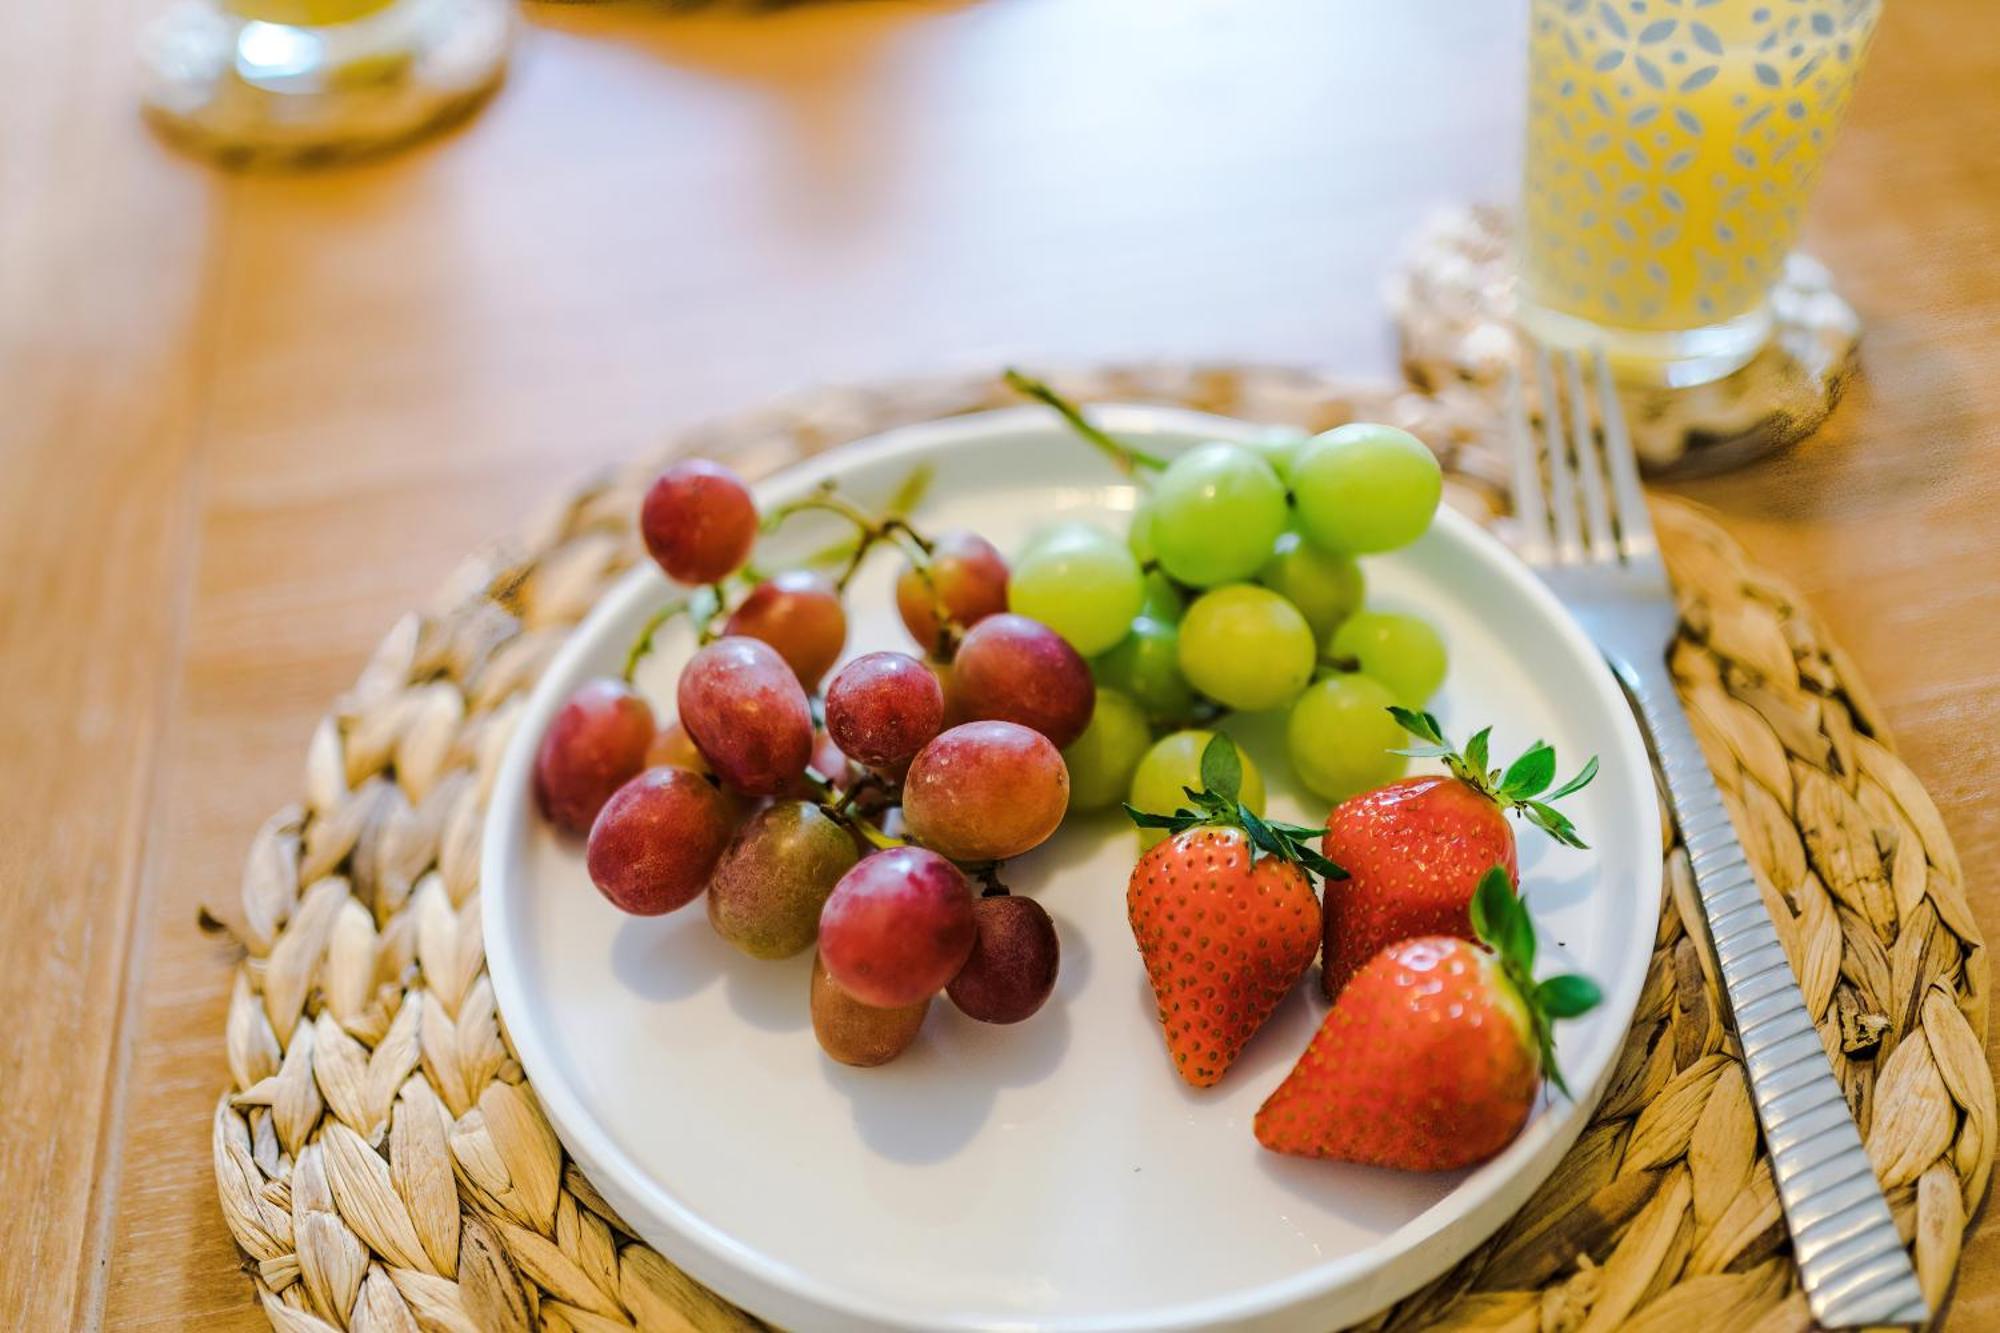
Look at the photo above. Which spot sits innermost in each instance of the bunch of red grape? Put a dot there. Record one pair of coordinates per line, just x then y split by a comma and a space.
858, 816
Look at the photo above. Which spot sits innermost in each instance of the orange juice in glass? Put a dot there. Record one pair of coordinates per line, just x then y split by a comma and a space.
1671, 147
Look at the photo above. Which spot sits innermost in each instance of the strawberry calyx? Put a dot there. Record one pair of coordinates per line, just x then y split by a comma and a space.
1522, 786
1216, 805
1501, 920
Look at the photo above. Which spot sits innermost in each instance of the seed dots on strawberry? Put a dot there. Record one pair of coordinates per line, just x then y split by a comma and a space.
1433, 1055
1224, 915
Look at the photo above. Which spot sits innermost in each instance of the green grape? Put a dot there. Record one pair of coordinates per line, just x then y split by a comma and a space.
1146, 667
1402, 652
1278, 448
1326, 588
1061, 531
1173, 764
1102, 759
1163, 600
1362, 488
1083, 584
1139, 536
1247, 648
1340, 736
1216, 511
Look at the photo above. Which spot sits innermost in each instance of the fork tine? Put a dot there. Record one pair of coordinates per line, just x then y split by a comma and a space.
1596, 513
1531, 510
1562, 489
1635, 522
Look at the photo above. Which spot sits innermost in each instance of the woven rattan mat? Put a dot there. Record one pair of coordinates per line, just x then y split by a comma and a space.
384, 1164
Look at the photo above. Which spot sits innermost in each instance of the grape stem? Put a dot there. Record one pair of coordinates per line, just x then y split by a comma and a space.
869, 530
874, 836
721, 596
643, 645
1126, 458
837, 808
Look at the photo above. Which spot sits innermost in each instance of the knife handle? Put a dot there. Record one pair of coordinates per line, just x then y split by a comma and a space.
1851, 1262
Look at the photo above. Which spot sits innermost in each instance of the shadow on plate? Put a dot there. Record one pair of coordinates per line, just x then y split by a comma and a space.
930, 1103
1369, 1198
670, 957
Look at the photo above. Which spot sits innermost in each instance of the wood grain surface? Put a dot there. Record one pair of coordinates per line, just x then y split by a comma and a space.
245, 421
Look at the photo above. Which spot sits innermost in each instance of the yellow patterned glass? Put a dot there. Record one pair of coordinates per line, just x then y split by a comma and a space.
1671, 147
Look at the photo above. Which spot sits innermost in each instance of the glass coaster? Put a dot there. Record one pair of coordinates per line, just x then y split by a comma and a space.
249, 91
1453, 303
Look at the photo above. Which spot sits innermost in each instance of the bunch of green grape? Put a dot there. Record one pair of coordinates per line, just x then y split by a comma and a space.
1238, 588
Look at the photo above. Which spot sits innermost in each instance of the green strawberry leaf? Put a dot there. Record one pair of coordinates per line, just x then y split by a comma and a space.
1216, 804
1531, 774
1262, 835
1309, 857
1519, 939
1504, 925
1568, 995
1520, 788
1490, 898
1545, 1039
1554, 823
1577, 783
1222, 768
1475, 750
1424, 726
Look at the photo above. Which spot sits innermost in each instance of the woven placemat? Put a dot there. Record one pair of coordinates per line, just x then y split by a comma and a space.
384, 1164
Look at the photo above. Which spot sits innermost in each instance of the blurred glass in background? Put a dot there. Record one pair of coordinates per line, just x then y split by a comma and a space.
284, 82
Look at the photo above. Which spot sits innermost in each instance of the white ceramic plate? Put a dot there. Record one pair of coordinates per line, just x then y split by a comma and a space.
1054, 1174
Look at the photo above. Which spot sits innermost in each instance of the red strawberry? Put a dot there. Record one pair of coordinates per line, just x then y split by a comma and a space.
1225, 933
1415, 849
1432, 1057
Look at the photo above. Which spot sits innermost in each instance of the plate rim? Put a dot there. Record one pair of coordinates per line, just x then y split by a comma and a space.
1451, 1227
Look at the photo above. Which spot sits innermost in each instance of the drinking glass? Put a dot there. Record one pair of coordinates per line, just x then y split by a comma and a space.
299, 81
1671, 147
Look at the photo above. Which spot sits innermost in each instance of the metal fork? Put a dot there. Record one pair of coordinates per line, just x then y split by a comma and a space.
1586, 531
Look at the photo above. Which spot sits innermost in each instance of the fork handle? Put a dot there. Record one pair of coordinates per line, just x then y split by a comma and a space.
1851, 1262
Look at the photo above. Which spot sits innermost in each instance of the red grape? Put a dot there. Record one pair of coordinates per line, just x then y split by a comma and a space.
767, 891
657, 840
897, 927
798, 613
883, 707
673, 747
698, 521
748, 713
829, 762
859, 1034
985, 791
967, 582
596, 741
1012, 969
1019, 670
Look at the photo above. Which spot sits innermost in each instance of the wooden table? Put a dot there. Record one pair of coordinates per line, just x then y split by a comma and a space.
244, 422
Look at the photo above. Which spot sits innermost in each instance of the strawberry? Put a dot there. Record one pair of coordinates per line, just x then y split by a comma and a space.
1415, 849
1432, 1057
1224, 915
